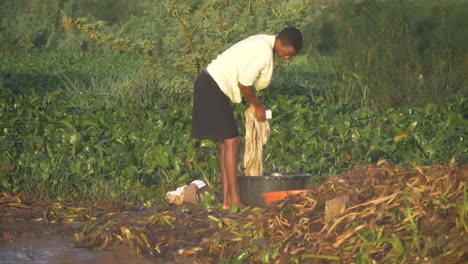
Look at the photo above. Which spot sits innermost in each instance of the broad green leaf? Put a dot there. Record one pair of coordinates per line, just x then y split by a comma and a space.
208, 144
87, 123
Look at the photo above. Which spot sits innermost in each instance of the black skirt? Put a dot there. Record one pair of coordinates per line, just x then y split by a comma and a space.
212, 115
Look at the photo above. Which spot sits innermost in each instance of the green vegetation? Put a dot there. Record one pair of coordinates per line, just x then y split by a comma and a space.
95, 102
95, 108
58, 142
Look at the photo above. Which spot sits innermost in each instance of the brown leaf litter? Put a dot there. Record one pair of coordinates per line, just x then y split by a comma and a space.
379, 213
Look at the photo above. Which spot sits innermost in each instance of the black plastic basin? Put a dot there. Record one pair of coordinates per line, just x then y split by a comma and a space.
252, 187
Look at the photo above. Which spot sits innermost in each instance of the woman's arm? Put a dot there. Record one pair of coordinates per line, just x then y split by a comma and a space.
249, 94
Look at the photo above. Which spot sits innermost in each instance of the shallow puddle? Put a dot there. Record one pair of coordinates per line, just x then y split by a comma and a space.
55, 249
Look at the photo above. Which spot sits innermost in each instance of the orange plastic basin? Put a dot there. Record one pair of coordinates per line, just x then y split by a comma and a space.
271, 197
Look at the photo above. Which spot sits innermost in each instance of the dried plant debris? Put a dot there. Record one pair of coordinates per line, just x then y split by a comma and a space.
375, 214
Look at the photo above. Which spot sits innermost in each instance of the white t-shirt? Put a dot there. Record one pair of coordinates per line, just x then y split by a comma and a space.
249, 61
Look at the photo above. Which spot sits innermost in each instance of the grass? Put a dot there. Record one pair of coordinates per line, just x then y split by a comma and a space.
382, 54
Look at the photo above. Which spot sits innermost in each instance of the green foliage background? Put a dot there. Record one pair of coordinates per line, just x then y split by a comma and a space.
365, 53
96, 94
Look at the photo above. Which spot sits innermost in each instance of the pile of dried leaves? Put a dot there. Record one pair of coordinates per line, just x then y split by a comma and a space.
376, 214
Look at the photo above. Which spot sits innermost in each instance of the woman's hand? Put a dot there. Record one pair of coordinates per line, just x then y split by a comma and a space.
249, 93
260, 114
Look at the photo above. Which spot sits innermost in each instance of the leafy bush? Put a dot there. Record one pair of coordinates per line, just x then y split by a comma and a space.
54, 146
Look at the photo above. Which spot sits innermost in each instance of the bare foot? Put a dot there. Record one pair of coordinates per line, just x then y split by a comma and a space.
226, 206
239, 205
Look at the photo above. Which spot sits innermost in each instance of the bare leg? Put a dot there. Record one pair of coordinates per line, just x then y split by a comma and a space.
226, 202
228, 163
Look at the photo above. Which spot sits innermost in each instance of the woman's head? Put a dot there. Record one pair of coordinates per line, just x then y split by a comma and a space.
288, 43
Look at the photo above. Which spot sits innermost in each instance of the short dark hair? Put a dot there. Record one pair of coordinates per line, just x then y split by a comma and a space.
291, 36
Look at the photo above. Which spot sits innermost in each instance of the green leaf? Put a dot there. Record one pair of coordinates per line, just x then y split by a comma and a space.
87, 123
205, 143
397, 246
184, 178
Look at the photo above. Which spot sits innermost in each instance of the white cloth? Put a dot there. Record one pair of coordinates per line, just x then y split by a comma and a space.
200, 184
177, 196
249, 61
256, 135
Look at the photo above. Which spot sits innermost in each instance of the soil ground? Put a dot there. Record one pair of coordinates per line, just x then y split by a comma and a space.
326, 222
26, 238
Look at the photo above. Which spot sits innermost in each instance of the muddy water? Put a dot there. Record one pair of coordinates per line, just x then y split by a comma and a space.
56, 249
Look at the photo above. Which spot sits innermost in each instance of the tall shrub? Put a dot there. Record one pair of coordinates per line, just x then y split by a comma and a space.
179, 38
392, 53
